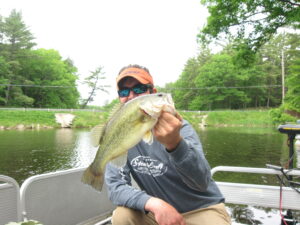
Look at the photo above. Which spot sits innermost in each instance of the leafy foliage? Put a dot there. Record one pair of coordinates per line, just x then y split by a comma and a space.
45, 68
32, 78
238, 78
253, 20
293, 94
280, 117
93, 82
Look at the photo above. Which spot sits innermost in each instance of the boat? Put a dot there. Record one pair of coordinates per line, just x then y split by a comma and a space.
60, 198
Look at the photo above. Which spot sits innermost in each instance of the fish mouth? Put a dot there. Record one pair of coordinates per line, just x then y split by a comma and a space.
144, 112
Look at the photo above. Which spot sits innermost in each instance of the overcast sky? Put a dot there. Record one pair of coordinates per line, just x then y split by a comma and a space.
158, 34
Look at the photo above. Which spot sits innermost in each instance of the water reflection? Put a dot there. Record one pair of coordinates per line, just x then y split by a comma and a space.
31, 152
254, 215
64, 136
84, 152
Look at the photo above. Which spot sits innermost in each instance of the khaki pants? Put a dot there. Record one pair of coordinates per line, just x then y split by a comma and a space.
212, 215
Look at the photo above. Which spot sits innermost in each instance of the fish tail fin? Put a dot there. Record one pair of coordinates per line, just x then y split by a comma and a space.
95, 179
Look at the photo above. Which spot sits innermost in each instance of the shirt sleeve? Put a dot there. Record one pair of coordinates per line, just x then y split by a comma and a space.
120, 190
189, 160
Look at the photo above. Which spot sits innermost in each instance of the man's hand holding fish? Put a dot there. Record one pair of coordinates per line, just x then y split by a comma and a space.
167, 130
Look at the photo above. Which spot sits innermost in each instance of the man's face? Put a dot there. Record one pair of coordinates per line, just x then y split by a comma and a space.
129, 83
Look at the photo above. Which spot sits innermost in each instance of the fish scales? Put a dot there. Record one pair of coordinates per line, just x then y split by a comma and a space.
114, 143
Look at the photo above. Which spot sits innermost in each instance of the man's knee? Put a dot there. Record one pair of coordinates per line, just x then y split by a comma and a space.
126, 216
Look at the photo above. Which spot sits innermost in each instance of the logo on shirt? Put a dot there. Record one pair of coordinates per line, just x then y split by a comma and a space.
146, 165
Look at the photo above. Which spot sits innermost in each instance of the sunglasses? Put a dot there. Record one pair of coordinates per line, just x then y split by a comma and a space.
137, 89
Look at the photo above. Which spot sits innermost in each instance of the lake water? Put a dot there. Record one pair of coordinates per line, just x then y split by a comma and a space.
30, 152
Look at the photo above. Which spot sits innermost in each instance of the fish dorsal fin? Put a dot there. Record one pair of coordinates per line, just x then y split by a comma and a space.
148, 137
96, 134
114, 109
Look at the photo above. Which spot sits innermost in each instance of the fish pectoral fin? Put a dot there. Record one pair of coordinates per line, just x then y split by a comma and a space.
96, 134
148, 137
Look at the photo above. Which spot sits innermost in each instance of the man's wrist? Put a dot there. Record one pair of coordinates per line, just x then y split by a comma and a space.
172, 146
151, 204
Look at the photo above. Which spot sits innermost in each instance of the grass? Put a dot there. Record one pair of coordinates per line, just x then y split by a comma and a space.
240, 118
249, 118
89, 119
11, 118
84, 119
14, 117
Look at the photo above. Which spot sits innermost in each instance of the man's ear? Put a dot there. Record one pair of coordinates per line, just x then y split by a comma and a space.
154, 90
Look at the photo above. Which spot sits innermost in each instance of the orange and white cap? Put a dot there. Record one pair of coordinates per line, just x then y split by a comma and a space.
137, 73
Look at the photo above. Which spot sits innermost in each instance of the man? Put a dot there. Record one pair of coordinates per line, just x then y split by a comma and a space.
174, 177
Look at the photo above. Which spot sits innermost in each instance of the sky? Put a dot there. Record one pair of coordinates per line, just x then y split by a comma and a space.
158, 34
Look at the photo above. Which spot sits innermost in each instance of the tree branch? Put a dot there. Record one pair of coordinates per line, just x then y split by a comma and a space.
289, 2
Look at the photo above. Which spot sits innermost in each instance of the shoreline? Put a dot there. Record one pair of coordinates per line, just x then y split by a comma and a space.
26, 127
37, 120
37, 127
22, 127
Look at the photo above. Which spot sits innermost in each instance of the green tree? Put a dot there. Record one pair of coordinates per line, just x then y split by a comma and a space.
49, 80
254, 20
185, 89
4, 70
93, 82
216, 81
281, 48
271, 64
293, 81
15, 41
15, 34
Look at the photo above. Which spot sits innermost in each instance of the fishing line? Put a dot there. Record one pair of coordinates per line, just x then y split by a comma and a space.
280, 203
282, 183
290, 184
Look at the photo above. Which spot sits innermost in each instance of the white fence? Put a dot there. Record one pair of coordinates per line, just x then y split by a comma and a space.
53, 110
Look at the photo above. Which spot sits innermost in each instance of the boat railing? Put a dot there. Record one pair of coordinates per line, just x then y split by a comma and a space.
9, 200
61, 198
257, 194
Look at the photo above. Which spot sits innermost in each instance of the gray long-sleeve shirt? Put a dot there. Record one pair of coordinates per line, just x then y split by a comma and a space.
182, 177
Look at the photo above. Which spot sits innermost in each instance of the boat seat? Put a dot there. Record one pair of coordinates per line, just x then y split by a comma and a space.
61, 198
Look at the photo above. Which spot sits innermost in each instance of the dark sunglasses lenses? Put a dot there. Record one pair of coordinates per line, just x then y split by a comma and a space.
138, 89
124, 92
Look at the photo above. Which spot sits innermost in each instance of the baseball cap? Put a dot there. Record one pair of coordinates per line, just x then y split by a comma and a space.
137, 73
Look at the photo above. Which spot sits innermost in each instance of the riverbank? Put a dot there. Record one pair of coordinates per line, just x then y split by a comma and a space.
14, 119
231, 118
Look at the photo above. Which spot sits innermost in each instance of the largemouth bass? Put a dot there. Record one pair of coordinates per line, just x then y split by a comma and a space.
126, 127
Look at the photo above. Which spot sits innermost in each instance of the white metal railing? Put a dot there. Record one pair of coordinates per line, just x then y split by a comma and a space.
61, 198
9, 200
256, 194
